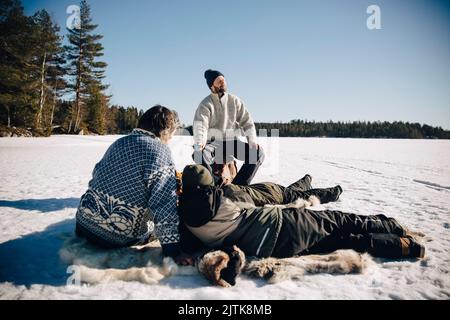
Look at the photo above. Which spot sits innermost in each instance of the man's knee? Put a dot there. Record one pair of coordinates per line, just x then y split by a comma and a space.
255, 156
203, 156
261, 155
197, 156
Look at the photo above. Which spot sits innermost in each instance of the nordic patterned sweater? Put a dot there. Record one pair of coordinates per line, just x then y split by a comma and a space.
132, 192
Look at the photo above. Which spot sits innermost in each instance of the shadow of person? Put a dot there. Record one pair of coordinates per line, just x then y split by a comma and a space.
44, 257
43, 205
47, 257
34, 259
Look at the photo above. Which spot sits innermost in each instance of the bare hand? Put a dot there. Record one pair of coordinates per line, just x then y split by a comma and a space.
199, 147
254, 145
184, 259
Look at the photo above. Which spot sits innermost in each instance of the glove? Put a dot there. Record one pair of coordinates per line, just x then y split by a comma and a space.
222, 267
179, 179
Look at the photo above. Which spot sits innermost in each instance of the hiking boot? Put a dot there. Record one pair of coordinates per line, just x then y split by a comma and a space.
336, 191
411, 248
307, 179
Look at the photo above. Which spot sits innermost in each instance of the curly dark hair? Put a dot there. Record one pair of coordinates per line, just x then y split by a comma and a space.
159, 119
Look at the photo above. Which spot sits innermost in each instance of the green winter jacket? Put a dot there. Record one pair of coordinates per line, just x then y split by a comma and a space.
223, 220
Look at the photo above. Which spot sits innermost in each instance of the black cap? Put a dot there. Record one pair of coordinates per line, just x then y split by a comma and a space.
211, 75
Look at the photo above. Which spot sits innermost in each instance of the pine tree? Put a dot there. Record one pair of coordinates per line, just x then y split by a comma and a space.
96, 110
50, 62
85, 70
17, 65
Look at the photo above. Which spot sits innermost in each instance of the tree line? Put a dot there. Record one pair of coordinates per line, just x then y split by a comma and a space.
356, 129
49, 81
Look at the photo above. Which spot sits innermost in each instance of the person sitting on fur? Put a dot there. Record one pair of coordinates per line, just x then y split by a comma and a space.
213, 218
132, 193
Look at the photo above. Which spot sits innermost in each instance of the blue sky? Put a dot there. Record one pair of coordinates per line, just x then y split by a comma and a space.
314, 60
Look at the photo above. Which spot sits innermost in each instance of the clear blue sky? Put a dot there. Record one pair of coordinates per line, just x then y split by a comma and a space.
313, 60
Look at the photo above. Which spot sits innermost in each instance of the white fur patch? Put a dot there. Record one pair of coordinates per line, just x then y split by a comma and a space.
297, 204
143, 264
146, 264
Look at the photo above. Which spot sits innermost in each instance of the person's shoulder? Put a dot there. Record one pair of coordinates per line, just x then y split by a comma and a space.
147, 143
207, 101
140, 139
158, 155
234, 98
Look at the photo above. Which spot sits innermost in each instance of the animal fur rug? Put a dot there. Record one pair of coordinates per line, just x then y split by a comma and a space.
146, 264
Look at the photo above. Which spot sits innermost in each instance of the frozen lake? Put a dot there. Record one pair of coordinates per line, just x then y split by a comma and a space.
42, 179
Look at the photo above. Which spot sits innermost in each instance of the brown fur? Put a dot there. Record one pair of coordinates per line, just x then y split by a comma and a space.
338, 262
211, 265
222, 267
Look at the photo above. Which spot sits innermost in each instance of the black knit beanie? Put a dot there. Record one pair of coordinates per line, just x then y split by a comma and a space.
211, 75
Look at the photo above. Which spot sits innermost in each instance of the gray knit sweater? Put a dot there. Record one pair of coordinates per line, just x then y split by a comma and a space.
222, 118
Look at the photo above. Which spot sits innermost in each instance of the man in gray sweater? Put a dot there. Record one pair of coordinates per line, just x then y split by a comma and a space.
219, 121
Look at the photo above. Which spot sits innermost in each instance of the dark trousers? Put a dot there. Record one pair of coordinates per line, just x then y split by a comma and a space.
306, 232
303, 189
272, 193
222, 152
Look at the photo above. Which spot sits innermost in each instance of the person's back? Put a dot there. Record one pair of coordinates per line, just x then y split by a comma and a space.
116, 206
133, 190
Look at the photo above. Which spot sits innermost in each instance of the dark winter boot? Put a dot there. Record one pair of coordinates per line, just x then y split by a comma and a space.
336, 192
411, 248
326, 195
302, 185
389, 246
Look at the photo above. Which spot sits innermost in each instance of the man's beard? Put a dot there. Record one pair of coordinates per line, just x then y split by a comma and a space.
220, 90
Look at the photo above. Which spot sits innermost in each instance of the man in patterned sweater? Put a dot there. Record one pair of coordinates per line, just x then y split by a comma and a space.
132, 194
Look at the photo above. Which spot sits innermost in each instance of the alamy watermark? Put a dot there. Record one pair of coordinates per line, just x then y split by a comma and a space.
374, 20
223, 150
74, 19
75, 275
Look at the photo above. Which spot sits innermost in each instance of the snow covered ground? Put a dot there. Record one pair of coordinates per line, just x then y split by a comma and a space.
41, 180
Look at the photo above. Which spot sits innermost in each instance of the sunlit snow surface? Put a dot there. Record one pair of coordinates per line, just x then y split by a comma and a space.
42, 179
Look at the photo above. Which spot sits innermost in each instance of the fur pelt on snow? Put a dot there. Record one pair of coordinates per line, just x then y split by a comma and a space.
146, 264
276, 270
299, 203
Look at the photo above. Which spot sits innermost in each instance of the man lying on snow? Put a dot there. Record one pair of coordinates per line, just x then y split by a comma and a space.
223, 218
133, 187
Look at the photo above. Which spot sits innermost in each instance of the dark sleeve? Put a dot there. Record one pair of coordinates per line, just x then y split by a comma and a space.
235, 194
188, 242
171, 249
198, 207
